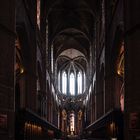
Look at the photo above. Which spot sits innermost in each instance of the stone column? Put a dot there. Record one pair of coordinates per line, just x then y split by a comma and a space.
48, 104
132, 69
68, 87
7, 79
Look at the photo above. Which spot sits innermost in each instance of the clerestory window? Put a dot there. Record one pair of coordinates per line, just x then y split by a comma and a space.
64, 82
79, 79
72, 84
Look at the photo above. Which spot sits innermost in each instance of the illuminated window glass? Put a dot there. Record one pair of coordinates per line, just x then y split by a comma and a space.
79, 78
72, 84
64, 82
84, 82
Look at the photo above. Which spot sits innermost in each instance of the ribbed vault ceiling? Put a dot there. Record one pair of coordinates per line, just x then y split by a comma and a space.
71, 33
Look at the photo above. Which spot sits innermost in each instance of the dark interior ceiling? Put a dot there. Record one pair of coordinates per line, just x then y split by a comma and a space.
71, 24
71, 29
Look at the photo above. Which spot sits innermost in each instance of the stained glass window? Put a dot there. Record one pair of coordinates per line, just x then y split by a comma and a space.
72, 84
79, 83
64, 82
